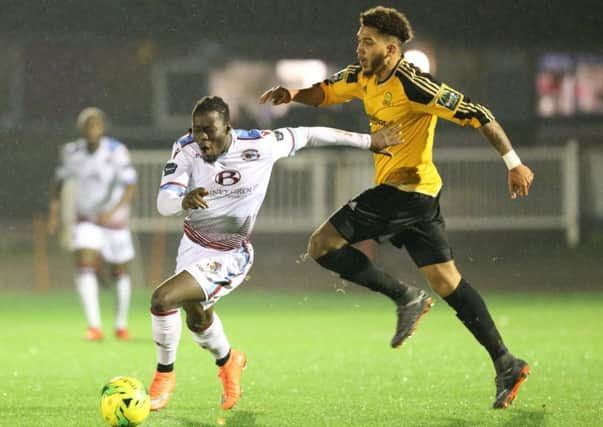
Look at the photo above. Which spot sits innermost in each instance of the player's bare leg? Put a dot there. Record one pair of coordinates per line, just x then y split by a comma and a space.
443, 278
368, 248
471, 309
208, 332
330, 249
87, 262
123, 290
165, 301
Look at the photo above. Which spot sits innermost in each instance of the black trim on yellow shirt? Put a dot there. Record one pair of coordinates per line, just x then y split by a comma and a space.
390, 74
468, 110
419, 87
352, 73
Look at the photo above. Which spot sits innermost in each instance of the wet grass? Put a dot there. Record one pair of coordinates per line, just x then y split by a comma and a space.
314, 360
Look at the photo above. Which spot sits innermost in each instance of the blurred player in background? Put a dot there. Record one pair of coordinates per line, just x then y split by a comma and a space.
105, 183
404, 206
218, 176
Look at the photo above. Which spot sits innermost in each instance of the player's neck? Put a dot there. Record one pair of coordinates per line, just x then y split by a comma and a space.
92, 145
387, 69
227, 144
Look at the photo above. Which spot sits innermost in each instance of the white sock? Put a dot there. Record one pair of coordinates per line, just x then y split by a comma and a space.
213, 339
123, 287
166, 334
87, 287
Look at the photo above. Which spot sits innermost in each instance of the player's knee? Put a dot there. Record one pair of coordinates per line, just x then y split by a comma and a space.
316, 245
87, 264
197, 318
118, 270
161, 301
442, 277
322, 242
440, 287
87, 258
443, 285
197, 323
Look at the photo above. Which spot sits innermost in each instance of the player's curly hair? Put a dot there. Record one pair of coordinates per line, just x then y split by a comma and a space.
213, 103
388, 21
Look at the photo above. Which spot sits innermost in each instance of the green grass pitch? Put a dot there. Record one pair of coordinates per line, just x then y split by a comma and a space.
314, 360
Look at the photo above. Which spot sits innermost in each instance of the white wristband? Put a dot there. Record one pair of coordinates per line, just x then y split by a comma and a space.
511, 159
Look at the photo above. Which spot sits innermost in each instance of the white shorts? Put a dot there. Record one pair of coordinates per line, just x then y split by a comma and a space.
115, 245
218, 273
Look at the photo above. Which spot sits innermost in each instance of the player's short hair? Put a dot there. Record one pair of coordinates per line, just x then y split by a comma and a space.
388, 21
213, 103
88, 113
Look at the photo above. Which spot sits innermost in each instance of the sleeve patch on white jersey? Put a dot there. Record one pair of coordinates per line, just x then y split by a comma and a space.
185, 140
169, 169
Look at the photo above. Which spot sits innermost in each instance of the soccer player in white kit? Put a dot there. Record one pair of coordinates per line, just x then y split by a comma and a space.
218, 177
105, 183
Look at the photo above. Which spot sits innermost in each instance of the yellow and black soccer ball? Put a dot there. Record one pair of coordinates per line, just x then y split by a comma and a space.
124, 402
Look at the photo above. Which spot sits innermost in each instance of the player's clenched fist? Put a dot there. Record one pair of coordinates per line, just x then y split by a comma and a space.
277, 95
520, 180
194, 199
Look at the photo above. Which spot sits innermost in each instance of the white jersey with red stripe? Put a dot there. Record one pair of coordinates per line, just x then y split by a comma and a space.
236, 182
100, 178
214, 249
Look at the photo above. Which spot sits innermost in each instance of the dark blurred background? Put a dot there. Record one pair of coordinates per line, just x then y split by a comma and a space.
537, 64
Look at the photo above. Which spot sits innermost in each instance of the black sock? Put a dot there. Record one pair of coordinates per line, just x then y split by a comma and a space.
352, 265
222, 361
165, 368
472, 311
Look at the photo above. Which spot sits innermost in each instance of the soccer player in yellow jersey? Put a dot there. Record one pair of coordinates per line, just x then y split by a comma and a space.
403, 207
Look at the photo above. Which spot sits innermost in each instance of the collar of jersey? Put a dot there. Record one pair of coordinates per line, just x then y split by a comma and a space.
233, 140
390, 74
101, 146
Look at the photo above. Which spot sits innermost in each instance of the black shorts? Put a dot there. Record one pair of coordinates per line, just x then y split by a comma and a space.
406, 219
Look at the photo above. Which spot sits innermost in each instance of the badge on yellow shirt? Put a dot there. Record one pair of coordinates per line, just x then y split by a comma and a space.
448, 98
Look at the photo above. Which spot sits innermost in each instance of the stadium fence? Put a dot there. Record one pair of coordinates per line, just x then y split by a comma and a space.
305, 189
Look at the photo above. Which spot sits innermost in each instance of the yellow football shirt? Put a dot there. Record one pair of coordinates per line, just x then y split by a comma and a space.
415, 98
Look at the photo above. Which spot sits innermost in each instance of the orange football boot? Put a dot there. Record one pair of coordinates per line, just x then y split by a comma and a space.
93, 334
161, 389
230, 374
122, 334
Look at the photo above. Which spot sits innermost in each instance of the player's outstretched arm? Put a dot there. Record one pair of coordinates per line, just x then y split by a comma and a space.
378, 142
520, 176
281, 95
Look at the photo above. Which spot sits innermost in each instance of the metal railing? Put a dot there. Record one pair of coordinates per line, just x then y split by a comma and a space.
305, 189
